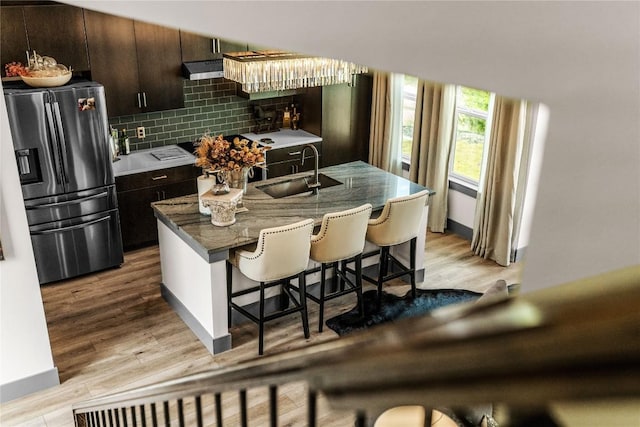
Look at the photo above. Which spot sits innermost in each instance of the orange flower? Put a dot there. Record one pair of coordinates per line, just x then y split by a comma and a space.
219, 154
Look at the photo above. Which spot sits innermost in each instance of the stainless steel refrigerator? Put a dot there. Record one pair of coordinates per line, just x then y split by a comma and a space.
61, 142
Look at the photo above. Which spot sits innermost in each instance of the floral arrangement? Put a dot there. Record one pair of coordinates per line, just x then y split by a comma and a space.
216, 154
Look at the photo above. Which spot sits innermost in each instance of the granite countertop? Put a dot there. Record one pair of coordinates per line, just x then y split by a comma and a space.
148, 160
361, 183
285, 137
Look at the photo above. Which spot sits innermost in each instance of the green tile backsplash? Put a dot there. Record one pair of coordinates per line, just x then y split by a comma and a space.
210, 105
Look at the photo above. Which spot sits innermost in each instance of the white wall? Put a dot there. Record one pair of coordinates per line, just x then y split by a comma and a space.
24, 340
461, 208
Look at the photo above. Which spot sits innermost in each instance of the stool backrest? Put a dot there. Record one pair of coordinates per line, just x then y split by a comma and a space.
341, 234
399, 220
281, 252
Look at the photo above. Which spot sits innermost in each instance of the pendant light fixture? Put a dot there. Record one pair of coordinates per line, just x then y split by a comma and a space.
272, 70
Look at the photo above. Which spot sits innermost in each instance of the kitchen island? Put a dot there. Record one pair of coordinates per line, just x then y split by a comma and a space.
193, 252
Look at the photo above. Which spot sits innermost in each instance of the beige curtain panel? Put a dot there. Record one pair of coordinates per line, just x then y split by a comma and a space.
431, 149
497, 196
386, 122
380, 126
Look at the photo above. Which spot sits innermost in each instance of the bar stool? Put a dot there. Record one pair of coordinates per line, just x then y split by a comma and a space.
282, 254
398, 223
340, 239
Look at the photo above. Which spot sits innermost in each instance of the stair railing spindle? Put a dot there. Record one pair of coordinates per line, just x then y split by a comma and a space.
124, 417
198, 411
143, 416
312, 416
180, 413
273, 405
218, 398
154, 416
167, 416
243, 408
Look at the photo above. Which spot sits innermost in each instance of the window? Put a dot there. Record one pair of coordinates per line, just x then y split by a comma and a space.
409, 91
471, 117
471, 129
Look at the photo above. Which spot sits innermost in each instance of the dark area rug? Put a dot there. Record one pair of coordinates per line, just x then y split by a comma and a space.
395, 307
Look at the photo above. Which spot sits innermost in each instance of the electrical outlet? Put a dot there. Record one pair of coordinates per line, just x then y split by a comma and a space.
140, 132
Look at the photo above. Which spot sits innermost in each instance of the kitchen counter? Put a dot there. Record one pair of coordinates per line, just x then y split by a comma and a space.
362, 183
285, 137
145, 160
193, 252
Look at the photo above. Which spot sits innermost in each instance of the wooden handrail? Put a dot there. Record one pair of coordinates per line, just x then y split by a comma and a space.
575, 341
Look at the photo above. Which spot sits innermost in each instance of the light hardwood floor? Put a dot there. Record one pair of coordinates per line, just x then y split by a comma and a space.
112, 331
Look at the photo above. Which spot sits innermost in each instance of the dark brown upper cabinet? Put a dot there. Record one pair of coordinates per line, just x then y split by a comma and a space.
58, 31
52, 30
345, 119
114, 63
159, 66
13, 44
199, 48
138, 64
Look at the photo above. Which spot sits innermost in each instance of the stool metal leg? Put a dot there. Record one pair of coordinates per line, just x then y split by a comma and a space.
323, 276
412, 265
384, 261
261, 321
334, 280
302, 285
358, 265
335, 273
229, 291
283, 298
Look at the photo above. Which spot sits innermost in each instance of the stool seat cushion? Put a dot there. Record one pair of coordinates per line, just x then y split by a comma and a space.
399, 221
280, 252
341, 235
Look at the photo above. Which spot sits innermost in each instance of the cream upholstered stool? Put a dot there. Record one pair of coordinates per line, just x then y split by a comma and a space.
282, 254
340, 239
398, 223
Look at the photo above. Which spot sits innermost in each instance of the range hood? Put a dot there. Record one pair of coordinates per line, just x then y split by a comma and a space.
198, 70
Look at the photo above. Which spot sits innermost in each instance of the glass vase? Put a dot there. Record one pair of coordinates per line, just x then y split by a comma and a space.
238, 179
222, 182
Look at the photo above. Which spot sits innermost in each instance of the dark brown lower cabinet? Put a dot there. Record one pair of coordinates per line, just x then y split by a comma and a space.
287, 168
286, 161
136, 193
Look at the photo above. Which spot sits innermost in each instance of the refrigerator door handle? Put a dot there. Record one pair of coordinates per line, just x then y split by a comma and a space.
63, 145
54, 143
71, 227
68, 202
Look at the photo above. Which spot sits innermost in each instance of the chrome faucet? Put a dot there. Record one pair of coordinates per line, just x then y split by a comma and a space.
316, 184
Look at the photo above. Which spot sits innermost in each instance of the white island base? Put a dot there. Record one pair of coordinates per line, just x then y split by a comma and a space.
196, 288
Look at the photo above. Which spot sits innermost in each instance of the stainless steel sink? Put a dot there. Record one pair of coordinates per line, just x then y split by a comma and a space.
296, 186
